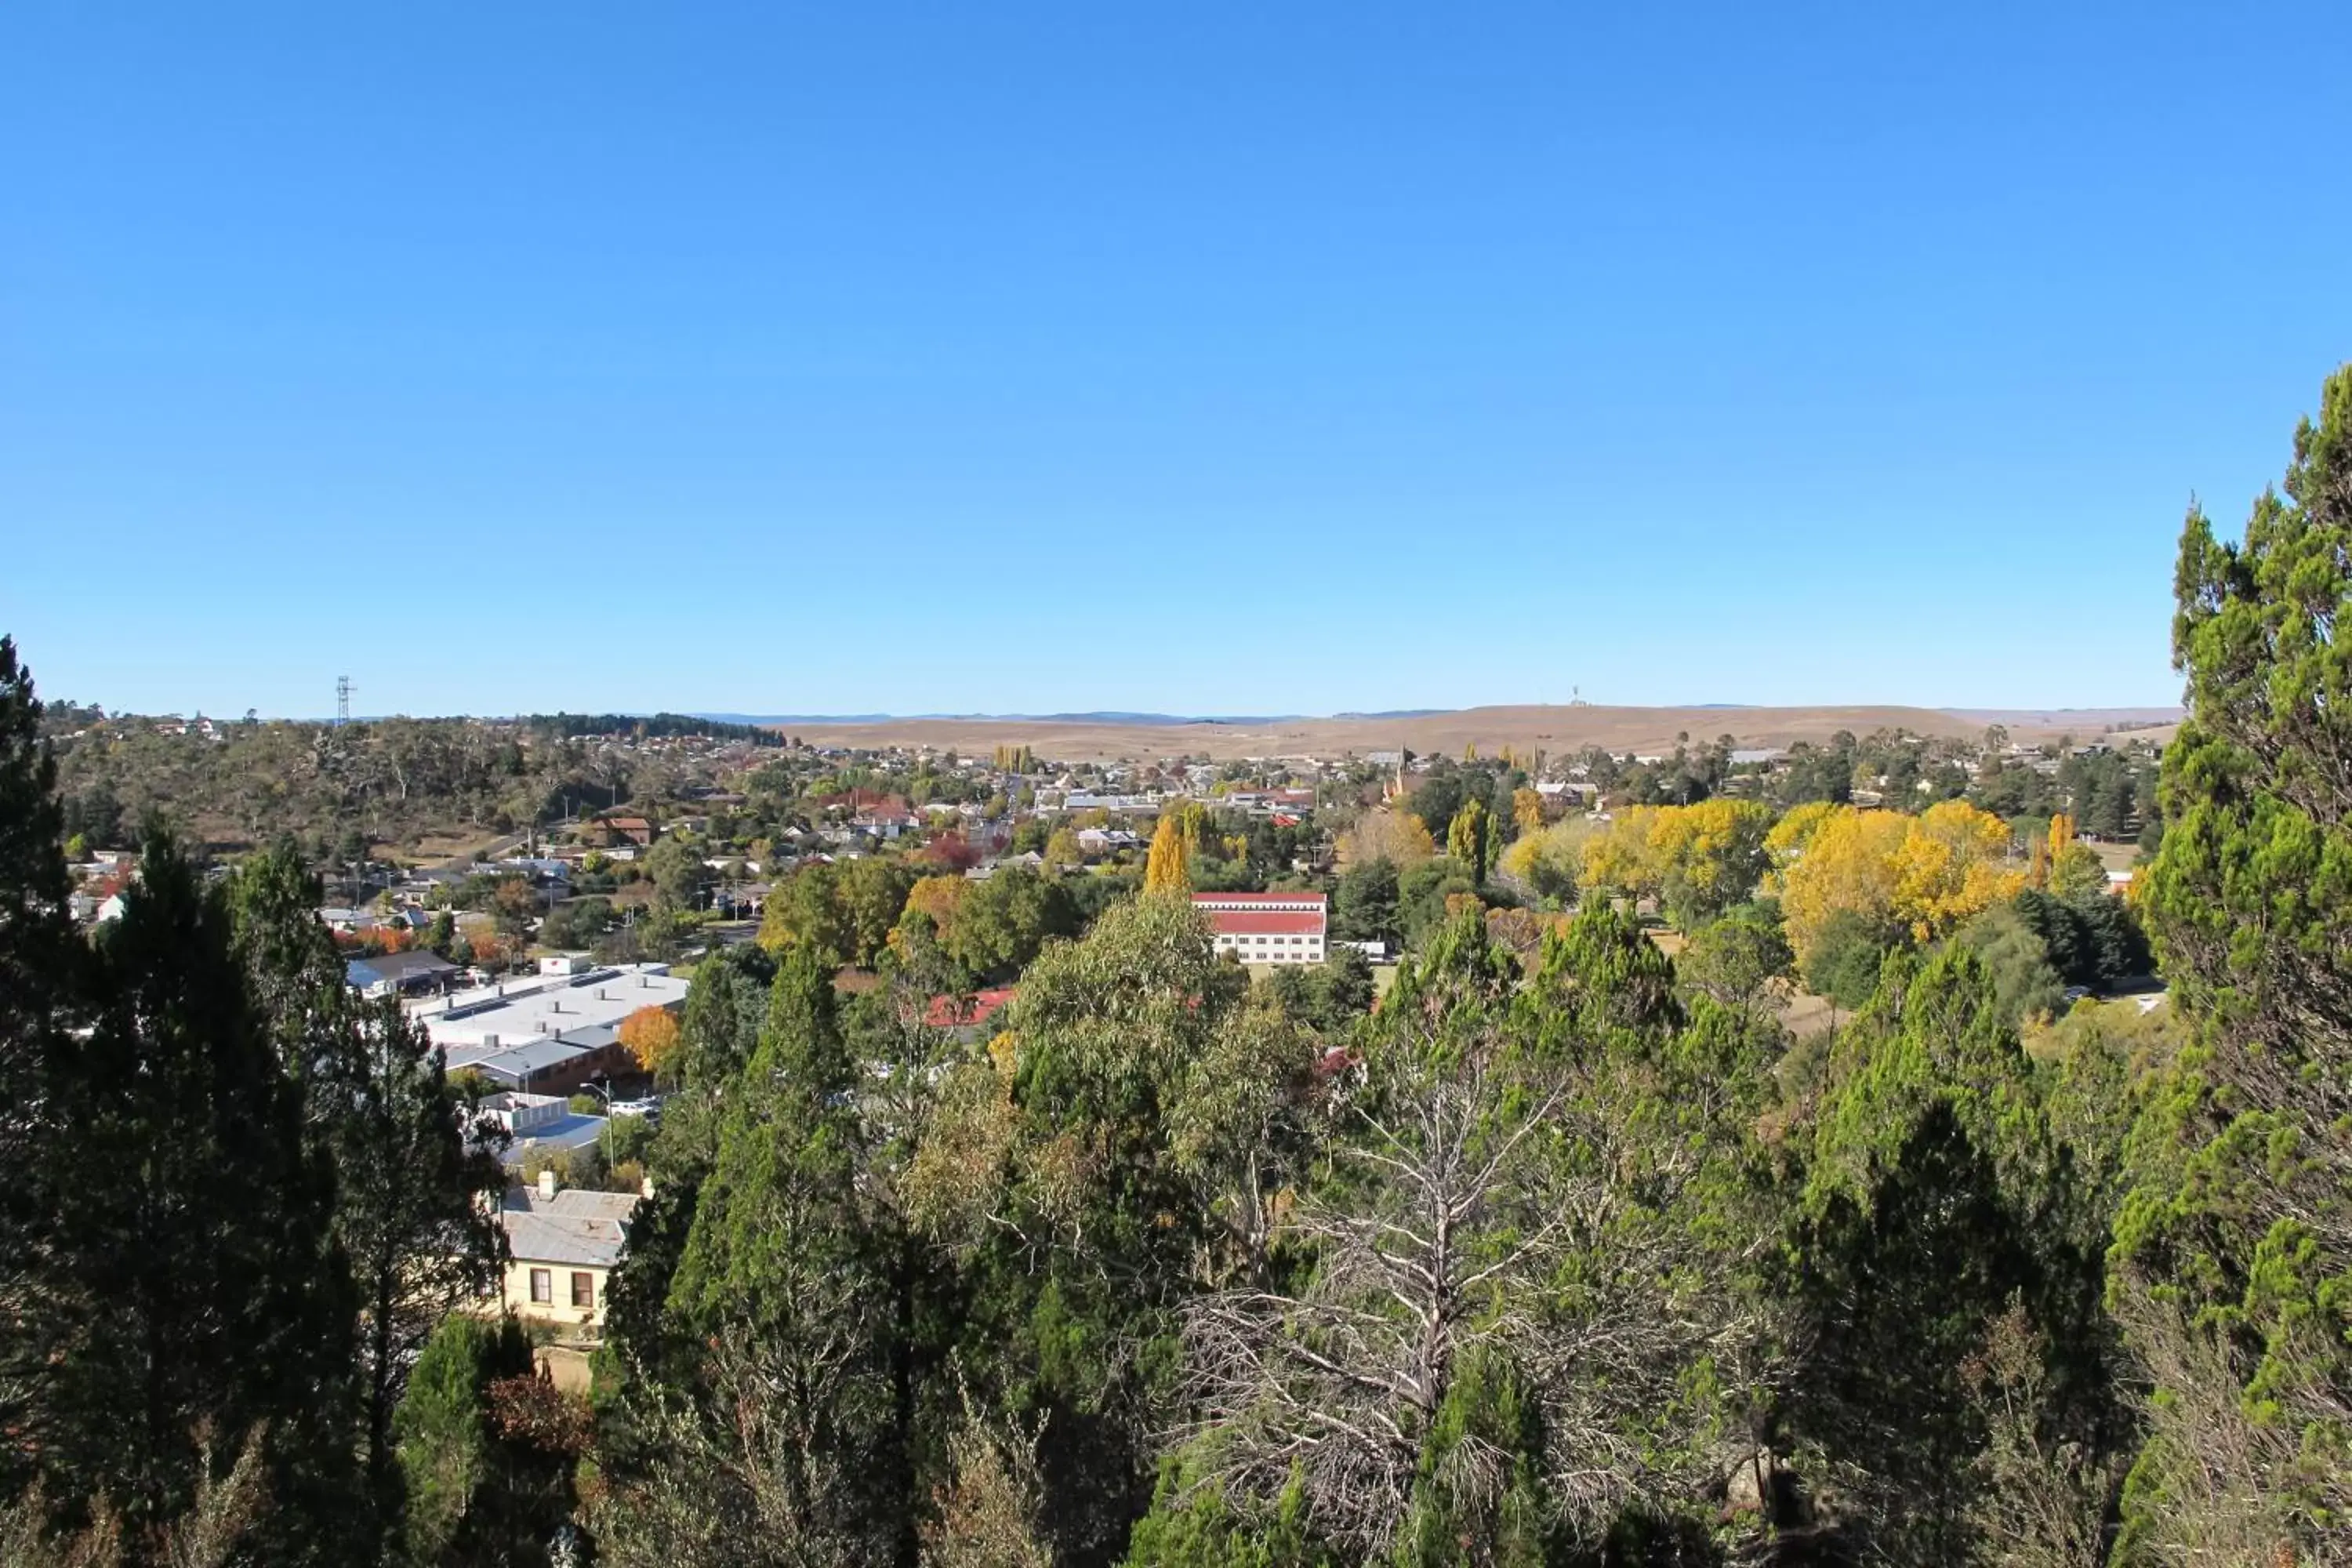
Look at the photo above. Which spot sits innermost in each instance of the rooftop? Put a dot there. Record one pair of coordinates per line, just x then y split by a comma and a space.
570, 1130
396, 967
1266, 922
966, 1012
517, 1061
1258, 901
547, 1006
576, 1226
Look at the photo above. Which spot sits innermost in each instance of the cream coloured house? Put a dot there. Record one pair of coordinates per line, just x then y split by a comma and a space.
561, 1248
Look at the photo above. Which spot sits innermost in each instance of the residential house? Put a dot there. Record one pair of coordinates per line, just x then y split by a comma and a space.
619, 830
966, 1018
411, 973
561, 1246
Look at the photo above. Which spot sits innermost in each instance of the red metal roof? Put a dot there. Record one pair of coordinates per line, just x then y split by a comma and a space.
958, 1012
1265, 922
1258, 897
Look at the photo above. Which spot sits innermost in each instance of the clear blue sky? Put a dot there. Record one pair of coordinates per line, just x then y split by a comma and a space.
1229, 358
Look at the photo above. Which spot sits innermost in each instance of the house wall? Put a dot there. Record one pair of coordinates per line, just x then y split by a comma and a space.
514, 1294
1285, 949
568, 1076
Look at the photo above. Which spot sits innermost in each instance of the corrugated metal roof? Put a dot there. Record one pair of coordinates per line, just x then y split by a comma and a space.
1211, 901
1267, 922
577, 1226
519, 1061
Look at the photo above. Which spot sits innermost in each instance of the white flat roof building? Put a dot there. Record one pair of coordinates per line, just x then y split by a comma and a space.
516, 1012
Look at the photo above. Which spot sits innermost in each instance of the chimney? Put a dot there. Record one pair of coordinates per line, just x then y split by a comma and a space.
547, 1184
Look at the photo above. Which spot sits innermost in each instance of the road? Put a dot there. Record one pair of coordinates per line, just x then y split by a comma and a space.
491, 851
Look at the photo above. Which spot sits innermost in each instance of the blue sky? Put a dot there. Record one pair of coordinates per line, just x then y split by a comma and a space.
1204, 358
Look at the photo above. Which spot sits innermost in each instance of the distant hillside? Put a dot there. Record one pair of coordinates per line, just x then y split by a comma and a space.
2082, 721
1554, 728
1139, 721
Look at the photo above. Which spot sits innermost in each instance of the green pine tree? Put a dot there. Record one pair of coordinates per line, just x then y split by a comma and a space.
194, 1235
1942, 1214
792, 1429
41, 964
488, 1486
415, 1175
2235, 1249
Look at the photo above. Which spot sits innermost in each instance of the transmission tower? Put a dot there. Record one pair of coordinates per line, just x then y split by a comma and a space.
343, 700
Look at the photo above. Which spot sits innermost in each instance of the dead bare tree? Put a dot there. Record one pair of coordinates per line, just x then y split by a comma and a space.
2232, 1481
1488, 1211
741, 1480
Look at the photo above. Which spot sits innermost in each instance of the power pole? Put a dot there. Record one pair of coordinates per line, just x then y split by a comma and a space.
343, 700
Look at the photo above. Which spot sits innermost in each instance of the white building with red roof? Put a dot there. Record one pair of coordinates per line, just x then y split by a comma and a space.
1267, 928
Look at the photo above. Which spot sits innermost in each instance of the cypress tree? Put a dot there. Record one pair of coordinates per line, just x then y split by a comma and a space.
782, 1278
411, 1169
39, 962
193, 1237
2235, 1250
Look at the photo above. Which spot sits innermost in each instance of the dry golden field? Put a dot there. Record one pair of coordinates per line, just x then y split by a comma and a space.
1554, 728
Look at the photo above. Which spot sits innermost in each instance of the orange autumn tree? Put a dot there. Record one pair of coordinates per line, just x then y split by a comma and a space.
940, 898
651, 1035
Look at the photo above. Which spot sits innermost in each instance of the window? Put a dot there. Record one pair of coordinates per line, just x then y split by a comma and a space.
584, 1290
542, 1287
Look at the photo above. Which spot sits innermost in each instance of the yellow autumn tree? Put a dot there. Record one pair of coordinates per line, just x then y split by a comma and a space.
1527, 811
1551, 861
1922, 875
1955, 864
1618, 858
1168, 868
1698, 860
1397, 837
651, 1035
1710, 855
1795, 830
1838, 858
1465, 837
